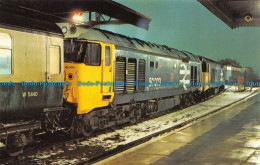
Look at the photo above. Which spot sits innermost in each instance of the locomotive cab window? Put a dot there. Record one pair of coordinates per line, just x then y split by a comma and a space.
5, 54
195, 74
93, 54
83, 52
192, 73
204, 66
213, 71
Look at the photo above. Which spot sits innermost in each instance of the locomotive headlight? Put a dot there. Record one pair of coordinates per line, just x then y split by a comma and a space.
248, 17
64, 29
78, 17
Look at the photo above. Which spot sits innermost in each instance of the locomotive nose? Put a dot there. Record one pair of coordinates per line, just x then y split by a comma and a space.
70, 77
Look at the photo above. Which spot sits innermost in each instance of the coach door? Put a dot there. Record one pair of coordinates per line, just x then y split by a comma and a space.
107, 71
54, 60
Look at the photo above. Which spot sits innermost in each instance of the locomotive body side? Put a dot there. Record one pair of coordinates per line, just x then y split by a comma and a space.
155, 76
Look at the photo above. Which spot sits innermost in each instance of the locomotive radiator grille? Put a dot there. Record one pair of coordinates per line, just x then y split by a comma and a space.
120, 74
141, 74
131, 75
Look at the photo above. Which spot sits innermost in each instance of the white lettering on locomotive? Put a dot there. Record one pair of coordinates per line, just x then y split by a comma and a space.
155, 81
184, 71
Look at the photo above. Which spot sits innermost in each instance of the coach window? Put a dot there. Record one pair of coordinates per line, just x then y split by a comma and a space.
55, 62
156, 64
107, 55
5, 54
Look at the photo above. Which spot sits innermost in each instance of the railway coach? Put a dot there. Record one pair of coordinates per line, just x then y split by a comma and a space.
31, 51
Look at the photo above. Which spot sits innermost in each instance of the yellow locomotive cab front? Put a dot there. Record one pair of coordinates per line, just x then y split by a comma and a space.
89, 69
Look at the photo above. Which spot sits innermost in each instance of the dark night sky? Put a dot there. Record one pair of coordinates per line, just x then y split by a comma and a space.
187, 25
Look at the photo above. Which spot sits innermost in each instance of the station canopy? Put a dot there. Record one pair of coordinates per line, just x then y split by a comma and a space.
60, 11
235, 13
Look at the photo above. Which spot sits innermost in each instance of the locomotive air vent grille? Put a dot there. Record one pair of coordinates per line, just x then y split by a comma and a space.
131, 75
120, 74
141, 75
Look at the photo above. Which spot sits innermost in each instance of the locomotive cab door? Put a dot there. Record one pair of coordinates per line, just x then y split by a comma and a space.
107, 71
205, 74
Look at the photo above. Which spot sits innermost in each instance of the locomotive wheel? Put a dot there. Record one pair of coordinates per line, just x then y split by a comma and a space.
203, 96
15, 144
182, 101
86, 130
73, 129
138, 113
197, 97
192, 98
134, 115
208, 94
187, 101
85, 125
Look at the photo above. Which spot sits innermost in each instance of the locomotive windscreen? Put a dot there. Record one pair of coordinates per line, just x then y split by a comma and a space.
82, 52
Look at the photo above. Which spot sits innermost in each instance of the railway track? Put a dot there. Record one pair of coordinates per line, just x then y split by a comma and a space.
92, 153
40, 148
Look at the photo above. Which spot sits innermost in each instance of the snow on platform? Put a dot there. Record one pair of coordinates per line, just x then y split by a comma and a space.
131, 133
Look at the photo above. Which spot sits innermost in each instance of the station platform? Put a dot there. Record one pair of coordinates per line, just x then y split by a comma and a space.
231, 136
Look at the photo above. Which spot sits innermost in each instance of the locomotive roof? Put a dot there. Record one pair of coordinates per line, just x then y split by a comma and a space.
208, 60
134, 43
231, 63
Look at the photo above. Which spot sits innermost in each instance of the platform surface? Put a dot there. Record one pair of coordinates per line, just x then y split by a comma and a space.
231, 136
